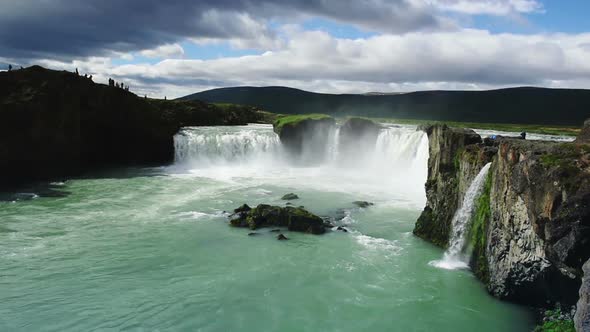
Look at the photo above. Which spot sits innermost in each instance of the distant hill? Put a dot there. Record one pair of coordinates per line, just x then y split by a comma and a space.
515, 105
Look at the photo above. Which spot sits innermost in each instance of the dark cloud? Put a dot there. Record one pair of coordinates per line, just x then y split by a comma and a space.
73, 28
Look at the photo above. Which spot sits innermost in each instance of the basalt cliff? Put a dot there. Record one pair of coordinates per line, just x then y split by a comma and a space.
530, 233
58, 123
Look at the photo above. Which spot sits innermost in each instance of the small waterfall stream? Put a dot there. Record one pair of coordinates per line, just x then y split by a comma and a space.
454, 257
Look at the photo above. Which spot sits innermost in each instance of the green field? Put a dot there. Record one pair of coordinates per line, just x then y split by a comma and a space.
511, 127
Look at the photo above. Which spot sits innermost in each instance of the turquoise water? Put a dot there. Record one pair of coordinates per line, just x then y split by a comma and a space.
151, 250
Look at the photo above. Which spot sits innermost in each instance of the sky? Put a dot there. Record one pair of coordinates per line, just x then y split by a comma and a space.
178, 47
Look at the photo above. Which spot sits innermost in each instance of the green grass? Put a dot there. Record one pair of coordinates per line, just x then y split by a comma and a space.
290, 120
479, 226
564, 156
554, 322
226, 106
529, 128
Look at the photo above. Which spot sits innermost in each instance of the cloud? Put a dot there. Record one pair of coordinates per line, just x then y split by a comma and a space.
467, 59
72, 28
488, 7
164, 51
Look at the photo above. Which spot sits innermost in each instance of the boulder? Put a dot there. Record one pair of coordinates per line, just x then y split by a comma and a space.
243, 208
363, 204
294, 219
281, 237
289, 197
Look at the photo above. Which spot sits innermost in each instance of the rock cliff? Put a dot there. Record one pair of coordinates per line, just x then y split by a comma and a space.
305, 136
582, 317
57, 123
530, 233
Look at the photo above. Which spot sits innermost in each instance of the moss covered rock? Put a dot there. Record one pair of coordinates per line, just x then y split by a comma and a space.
294, 219
289, 197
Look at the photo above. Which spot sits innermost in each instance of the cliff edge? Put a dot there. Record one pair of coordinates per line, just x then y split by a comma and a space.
57, 123
530, 233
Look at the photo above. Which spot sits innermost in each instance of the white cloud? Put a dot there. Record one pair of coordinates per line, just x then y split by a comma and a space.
487, 7
164, 51
468, 59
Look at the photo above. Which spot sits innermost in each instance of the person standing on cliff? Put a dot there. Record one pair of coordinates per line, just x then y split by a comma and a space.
523, 135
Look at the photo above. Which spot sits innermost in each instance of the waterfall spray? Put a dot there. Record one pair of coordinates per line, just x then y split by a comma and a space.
454, 258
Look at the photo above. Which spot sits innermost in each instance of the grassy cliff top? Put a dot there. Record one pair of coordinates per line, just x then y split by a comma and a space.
508, 127
292, 120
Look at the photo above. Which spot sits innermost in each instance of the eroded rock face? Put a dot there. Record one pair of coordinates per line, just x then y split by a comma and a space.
538, 232
584, 136
449, 176
295, 219
582, 317
533, 229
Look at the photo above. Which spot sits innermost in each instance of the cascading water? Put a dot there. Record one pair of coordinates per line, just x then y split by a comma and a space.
396, 158
208, 146
454, 258
402, 148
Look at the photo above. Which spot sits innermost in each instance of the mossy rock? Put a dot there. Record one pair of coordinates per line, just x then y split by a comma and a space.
359, 127
293, 121
289, 197
363, 204
306, 132
293, 218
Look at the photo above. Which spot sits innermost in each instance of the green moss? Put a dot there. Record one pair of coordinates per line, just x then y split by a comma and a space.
457, 159
555, 321
550, 160
292, 120
478, 231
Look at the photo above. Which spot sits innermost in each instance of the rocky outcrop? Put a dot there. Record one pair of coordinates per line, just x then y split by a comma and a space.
451, 168
56, 123
539, 225
289, 197
530, 232
295, 219
306, 136
582, 317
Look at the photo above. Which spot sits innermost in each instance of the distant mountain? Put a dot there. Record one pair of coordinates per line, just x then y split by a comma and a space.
515, 105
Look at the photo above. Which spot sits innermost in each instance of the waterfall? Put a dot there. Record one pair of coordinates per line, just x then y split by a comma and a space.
395, 149
396, 158
208, 146
454, 258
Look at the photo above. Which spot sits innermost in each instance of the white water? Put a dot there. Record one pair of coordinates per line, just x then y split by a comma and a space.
454, 257
398, 157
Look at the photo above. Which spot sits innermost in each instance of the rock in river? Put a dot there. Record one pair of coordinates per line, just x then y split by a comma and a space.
362, 204
294, 219
289, 197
